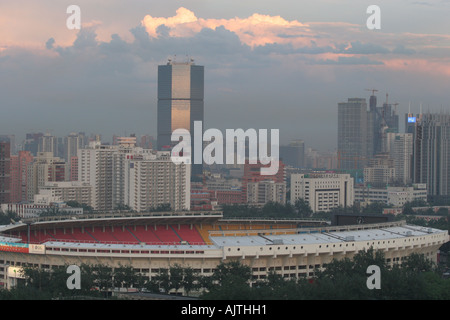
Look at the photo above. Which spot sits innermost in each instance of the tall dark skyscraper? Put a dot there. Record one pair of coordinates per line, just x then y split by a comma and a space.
180, 101
354, 134
180, 98
293, 154
432, 153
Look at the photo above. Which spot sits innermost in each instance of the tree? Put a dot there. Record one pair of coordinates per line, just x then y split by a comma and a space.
190, 280
8, 217
230, 281
162, 280
176, 277
75, 204
303, 208
125, 277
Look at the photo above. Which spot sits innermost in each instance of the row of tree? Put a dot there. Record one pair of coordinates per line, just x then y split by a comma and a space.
415, 278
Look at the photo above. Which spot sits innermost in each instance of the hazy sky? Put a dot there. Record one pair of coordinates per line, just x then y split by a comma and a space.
268, 64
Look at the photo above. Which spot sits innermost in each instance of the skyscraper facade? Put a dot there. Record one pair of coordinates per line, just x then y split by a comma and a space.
354, 136
432, 153
180, 101
400, 147
293, 154
5, 164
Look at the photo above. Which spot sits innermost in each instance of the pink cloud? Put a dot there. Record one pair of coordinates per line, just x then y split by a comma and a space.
258, 29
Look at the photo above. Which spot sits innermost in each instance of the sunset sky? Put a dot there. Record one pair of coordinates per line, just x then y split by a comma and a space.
268, 64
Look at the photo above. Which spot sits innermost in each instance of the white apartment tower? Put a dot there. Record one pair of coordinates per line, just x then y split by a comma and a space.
127, 175
153, 180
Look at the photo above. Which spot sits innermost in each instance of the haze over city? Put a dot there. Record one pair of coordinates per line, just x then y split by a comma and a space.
283, 64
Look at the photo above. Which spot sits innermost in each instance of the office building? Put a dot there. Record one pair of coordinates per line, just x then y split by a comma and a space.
180, 101
293, 154
355, 144
323, 191
432, 153
64, 192
400, 148
395, 196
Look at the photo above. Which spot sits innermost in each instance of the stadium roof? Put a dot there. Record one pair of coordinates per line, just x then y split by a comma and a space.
325, 237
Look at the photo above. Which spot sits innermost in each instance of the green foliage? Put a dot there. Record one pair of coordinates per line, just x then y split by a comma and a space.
161, 208
75, 204
343, 279
8, 217
300, 209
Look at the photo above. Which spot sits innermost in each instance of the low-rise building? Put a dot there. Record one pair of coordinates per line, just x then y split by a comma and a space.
323, 191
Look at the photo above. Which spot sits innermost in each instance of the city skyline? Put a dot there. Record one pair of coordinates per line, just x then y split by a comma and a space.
281, 66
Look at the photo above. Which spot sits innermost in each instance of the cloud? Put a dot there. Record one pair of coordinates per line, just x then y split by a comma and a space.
49, 44
257, 29
357, 47
261, 71
350, 60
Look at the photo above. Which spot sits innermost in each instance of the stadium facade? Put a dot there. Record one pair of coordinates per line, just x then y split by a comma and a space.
202, 240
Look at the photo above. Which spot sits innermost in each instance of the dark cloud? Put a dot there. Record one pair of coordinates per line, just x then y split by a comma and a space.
49, 44
358, 47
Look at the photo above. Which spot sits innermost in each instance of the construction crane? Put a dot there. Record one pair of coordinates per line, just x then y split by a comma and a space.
373, 91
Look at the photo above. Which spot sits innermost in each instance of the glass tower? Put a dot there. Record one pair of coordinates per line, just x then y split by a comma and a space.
180, 101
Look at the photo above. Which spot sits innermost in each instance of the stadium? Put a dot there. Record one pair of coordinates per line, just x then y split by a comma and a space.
202, 240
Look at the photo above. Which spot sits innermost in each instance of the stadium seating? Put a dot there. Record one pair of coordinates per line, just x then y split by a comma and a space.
83, 236
192, 236
106, 236
166, 234
125, 235
147, 236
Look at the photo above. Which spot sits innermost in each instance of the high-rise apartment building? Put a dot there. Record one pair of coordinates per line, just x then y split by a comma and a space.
48, 143
71, 145
5, 171
31, 142
19, 175
432, 153
45, 168
153, 180
95, 167
180, 101
124, 174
